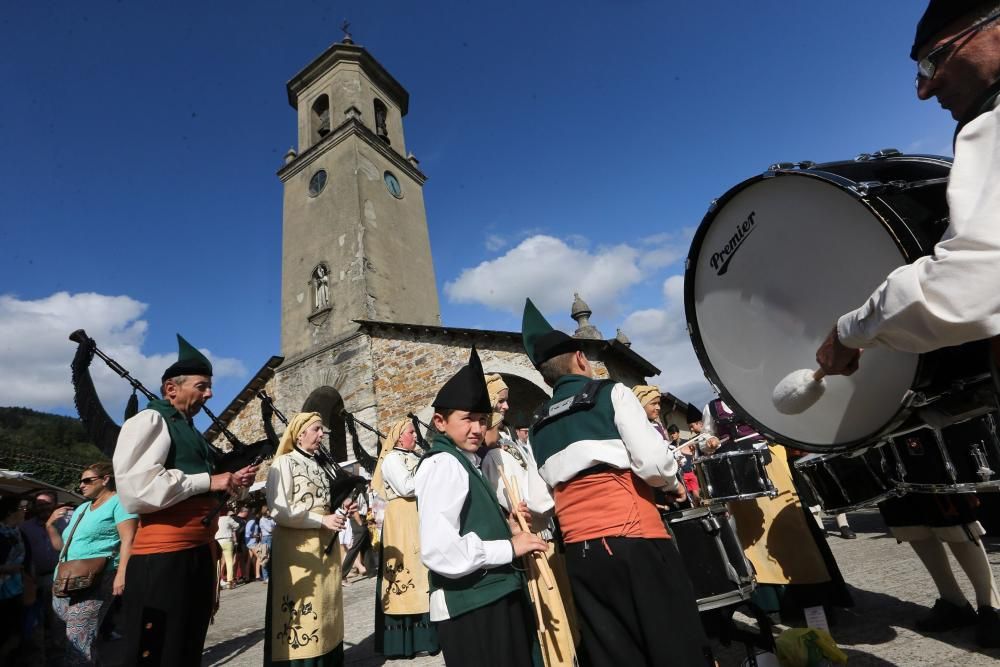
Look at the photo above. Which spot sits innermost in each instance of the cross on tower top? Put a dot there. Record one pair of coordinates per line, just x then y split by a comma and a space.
346, 28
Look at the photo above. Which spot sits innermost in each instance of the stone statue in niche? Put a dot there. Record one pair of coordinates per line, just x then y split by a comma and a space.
321, 285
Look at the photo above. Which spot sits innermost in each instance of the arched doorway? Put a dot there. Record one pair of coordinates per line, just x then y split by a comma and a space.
329, 404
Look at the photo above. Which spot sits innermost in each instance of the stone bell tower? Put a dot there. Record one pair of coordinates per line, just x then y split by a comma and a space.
355, 244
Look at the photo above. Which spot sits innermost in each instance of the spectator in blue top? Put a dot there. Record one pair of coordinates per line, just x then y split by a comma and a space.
100, 527
252, 536
264, 548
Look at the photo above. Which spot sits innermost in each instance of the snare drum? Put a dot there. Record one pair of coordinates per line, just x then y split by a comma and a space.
846, 482
960, 458
780, 256
713, 558
734, 475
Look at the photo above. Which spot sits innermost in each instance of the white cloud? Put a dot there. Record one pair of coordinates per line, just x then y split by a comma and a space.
549, 271
35, 351
660, 335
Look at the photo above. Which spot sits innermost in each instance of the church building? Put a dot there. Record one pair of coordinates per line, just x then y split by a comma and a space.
360, 319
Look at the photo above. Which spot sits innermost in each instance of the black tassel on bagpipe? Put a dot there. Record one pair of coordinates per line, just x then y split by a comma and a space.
101, 429
366, 460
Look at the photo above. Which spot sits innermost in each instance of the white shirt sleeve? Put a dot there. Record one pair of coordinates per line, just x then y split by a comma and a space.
650, 458
279, 498
396, 475
144, 484
442, 485
952, 296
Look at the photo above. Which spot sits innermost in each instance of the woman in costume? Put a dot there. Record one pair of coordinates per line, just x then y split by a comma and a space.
100, 527
403, 625
304, 620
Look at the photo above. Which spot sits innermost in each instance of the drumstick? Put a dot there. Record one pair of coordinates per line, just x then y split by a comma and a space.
515, 500
798, 391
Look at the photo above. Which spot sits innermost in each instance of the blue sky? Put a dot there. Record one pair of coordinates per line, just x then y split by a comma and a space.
142, 144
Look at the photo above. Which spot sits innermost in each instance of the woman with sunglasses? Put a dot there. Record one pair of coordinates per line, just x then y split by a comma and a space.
100, 527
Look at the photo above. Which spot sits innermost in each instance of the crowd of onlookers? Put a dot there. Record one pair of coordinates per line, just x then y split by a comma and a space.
244, 538
36, 532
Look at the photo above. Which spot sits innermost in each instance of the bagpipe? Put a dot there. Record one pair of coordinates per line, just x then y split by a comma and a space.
343, 484
103, 430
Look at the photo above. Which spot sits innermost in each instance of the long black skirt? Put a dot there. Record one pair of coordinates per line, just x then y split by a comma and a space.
635, 604
167, 607
501, 634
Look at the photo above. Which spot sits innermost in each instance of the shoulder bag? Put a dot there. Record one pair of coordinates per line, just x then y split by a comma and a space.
74, 576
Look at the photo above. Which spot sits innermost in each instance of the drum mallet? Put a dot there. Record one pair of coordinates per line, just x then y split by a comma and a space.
798, 391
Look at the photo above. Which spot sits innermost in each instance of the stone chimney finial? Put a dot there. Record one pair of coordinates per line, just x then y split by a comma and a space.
623, 339
581, 313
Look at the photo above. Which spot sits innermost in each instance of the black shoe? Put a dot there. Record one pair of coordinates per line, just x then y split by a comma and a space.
847, 533
988, 628
947, 616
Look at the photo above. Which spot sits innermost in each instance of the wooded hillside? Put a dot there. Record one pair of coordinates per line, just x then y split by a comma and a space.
50, 447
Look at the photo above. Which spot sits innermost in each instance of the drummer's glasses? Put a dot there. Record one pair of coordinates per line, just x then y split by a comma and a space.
927, 65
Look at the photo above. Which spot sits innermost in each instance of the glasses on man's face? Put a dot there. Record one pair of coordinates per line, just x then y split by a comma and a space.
927, 66
87, 481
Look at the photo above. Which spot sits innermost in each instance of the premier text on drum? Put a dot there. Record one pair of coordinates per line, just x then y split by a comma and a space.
721, 259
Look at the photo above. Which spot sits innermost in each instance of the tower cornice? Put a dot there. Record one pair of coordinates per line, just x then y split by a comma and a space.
351, 127
341, 52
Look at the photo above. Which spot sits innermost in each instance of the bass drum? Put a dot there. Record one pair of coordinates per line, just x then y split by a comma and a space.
779, 257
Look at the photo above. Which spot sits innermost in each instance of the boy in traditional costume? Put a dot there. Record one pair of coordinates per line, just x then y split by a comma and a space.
595, 448
477, 595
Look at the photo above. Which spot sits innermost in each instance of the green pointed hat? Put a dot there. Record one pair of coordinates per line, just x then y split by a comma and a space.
541, 341
189, 361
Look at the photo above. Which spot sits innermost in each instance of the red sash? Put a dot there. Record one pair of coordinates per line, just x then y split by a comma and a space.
612, 503
177, 527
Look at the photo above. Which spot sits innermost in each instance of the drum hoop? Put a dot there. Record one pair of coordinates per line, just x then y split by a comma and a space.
893, 225
732, 454
697, 512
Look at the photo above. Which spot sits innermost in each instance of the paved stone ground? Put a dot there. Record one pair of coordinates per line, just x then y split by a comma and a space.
889, 585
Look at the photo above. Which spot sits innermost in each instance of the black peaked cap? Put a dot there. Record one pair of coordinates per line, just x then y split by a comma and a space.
938, 16
694, 414
466, 390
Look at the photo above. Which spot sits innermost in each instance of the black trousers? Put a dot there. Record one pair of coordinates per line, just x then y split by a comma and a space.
501, 634
167, 607
635, 604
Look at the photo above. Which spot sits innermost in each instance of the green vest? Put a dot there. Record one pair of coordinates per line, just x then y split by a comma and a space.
482, 515
595, 423
189, 451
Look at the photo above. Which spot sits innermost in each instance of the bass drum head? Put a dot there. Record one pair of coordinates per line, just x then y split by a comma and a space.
771, 268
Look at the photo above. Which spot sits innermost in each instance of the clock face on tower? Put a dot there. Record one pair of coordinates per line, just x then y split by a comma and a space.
392, 185
317, 183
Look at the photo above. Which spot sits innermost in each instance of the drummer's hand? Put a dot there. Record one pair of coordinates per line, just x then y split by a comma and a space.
686, 450
835, 358
711, 445
678, 493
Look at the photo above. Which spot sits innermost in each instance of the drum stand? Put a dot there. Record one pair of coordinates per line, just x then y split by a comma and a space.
720, 624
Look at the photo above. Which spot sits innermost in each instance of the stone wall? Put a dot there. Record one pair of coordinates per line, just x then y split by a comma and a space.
386, 372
